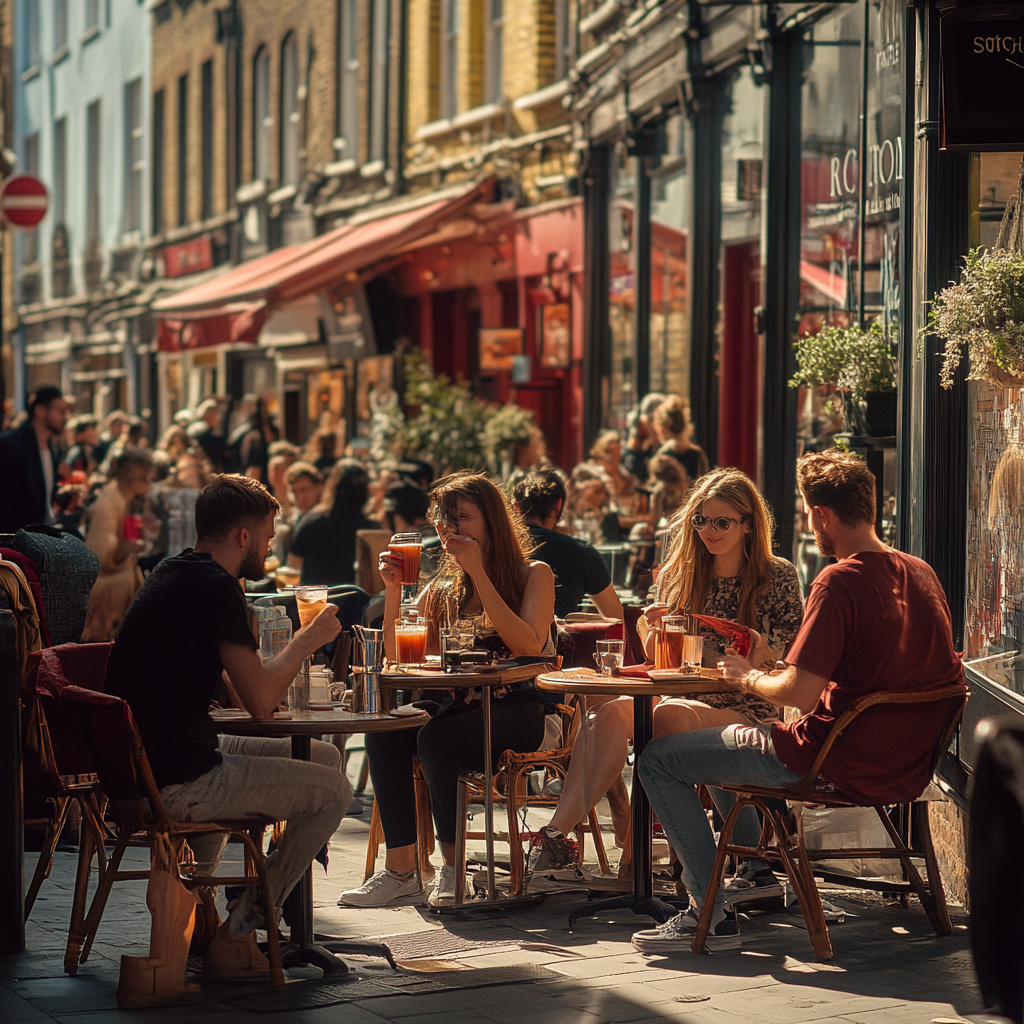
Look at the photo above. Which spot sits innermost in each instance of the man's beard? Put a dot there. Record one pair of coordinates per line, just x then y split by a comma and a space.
825, 543
252, 564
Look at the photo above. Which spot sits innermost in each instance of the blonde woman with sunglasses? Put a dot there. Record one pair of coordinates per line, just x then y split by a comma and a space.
720, 563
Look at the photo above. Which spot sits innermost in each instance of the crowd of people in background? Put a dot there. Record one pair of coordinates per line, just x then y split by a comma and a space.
131, 500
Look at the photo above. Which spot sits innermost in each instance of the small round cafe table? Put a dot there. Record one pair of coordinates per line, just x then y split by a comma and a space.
643, 691
304, 947
434, 679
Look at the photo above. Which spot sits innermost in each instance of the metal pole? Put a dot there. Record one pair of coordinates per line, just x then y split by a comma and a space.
488, 792
12, 821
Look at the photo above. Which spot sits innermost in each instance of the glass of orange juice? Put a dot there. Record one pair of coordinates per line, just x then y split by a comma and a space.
409, 546
411, 642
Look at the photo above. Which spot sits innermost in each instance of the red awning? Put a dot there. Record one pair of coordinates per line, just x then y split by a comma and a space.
232, 307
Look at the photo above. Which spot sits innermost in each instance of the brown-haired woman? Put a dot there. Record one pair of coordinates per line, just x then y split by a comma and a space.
673, 428
484, 576
720, 563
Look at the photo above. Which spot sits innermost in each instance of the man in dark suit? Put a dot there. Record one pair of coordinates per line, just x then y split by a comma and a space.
29, 456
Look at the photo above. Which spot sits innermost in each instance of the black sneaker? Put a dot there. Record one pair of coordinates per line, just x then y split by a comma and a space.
550, 850
750, 885
676, 934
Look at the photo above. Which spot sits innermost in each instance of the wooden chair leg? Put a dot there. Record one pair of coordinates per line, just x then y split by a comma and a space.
364, 774
108, 875
708, 906
77, 929
801, 877
618, 802
373, 841
424, 825
595, 831
45, 863
934, 902
516, 861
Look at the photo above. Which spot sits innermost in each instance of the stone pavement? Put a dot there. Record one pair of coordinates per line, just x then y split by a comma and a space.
889, 967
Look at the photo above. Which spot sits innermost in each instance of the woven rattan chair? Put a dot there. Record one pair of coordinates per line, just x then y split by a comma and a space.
779, 841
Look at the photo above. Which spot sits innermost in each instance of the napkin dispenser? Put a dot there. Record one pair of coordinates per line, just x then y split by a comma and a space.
368, 663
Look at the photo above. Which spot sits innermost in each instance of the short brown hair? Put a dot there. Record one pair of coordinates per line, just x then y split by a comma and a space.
674, 415
229, 502
300, 468
838, 481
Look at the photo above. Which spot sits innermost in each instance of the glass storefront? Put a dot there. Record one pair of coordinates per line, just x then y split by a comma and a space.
994, 618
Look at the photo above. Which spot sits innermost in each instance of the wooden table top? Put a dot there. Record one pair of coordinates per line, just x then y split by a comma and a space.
319, 723
433, 678
588, 681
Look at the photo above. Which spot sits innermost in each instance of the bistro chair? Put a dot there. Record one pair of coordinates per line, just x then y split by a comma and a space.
97, 730
511, 789
780, 841
48, 781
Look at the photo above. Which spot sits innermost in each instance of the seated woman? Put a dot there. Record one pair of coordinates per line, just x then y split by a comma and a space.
486, 578
720, 563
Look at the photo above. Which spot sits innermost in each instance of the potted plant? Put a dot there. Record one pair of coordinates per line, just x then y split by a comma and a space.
860, 365
984, 313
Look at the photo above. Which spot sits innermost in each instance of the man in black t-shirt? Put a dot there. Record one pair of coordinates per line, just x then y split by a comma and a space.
186, 628
578, 567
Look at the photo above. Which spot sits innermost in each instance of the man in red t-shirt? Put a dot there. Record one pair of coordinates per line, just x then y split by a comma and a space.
875, 620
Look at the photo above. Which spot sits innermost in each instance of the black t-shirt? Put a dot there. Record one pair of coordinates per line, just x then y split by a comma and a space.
326, 543
166, 660
579, 569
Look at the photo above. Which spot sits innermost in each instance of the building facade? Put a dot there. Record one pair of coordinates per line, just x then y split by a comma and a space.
81, 73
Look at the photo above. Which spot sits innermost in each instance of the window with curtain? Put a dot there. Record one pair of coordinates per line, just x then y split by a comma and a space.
60, 171
182, 183
563, 40
379, 34
262, 121
30, 157
494, 92
92, 14
93, 143
133, 158
60, 25
289, 160
449, 62
348, 84
32, 44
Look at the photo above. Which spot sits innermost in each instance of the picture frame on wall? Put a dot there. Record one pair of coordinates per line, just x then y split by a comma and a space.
555, 335
498, 348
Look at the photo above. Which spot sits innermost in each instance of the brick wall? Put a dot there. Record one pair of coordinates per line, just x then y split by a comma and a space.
949, 834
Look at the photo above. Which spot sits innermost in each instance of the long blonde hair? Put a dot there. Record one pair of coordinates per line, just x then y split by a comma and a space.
505, 557
688, 570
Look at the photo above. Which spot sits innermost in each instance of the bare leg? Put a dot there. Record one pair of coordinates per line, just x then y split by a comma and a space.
597, 759
402, 859
678, 715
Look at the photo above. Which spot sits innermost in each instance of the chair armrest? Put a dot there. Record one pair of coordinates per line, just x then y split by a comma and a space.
868, 701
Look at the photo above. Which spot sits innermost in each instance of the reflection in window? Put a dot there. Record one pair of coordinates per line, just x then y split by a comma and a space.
493, 62
449, 57
670, 204
289, 112
994, 619
379, 33
262, 122
348, 103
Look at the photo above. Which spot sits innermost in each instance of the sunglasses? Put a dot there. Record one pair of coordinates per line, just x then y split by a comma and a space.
720, 523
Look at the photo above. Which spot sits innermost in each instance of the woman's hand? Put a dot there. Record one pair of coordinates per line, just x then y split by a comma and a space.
654, 613
467, 552
391, 569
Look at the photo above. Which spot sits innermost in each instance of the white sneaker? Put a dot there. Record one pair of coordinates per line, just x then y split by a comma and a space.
444, 887
381, 889
245, 914
676, 934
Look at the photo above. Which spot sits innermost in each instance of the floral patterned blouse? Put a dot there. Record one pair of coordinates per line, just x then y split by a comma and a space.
779, 615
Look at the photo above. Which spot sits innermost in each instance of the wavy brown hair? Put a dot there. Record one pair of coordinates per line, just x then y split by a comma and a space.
686, 575
504, 554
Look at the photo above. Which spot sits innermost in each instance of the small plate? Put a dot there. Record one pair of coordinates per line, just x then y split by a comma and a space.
406, 711
672, 675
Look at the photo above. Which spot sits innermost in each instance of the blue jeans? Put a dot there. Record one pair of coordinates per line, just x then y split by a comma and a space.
670, 769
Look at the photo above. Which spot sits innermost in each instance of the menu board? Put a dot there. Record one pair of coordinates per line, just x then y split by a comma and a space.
982, 79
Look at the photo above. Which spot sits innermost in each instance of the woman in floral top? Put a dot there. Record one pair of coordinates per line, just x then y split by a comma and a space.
720, 563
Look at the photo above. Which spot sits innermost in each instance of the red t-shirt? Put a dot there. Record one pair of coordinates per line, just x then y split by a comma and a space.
877, 620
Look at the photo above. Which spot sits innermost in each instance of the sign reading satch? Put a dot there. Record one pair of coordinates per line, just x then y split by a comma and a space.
982, 78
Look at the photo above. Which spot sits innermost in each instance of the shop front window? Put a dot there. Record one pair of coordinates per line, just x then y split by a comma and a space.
994, 619
621, 289
670, 226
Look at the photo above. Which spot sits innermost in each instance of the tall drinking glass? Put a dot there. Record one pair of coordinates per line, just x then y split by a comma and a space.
408, 546
310, 602
678, 644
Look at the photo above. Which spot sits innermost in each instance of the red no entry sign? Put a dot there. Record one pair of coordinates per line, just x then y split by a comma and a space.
23, 201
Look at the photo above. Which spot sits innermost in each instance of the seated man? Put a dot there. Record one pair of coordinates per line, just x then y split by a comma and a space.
875, 620
578, 567
187, 626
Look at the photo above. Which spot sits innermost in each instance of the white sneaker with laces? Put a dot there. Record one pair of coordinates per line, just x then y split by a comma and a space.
676, 934
380, 889
443, 891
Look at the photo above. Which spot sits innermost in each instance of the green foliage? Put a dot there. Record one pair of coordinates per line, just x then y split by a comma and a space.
984, 313
848, 358
450, 428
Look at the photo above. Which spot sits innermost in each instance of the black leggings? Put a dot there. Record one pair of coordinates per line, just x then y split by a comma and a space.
448, 745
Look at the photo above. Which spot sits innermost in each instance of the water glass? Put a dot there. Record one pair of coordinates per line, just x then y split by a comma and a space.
609, 656
455, 639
